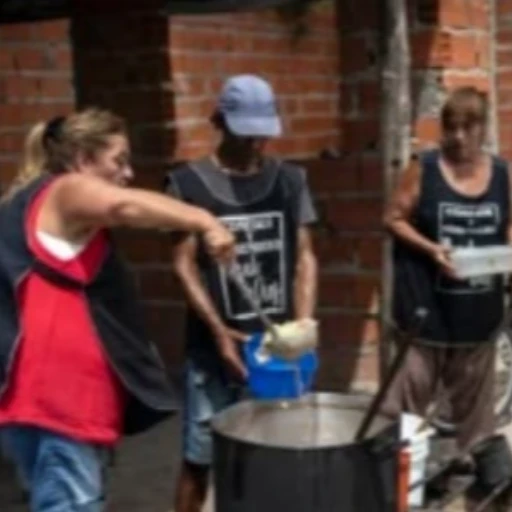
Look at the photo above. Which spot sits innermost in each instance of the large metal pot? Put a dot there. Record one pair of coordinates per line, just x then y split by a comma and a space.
299, 456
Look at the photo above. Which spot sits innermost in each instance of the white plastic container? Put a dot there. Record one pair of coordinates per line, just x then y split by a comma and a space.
481, 261
418, 451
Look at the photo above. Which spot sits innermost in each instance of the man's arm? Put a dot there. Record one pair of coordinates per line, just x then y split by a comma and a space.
305, 285
185, 266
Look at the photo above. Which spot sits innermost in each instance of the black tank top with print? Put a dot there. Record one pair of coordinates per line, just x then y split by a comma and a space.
459, 311
265, 225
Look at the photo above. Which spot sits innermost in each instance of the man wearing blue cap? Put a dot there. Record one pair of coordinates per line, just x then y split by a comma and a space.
267, 205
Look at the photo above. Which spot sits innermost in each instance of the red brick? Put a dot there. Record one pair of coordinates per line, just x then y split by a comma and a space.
437, 48
159, 284
197, 132
56, 87
320, 105
11, 142
463, 13
328, 176
312, 124
336, 290
504, 36
183, 84
348, 100
6, 58
263, 43
371, 174
361, 134
42, 111
507, 154
348, 290
369, 252
369, 96
52, 31
167, 325
427, 129
504, 57
506, 117
193, 63
30, 58
62, 58
505, 135
10, 115
363, 15
452, 80
8, 169
139, 246
314, 144
351, 214
290, 106
16, 32
187, 39
347, 328
504, 7
21, 86
193, 109
505, 99
286, 146
504, 79
335, 250
189, 152
355, 54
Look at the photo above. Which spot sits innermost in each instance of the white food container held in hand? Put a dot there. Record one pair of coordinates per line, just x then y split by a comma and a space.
481, 261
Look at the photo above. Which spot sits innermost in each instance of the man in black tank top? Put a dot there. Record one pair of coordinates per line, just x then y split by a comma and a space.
267, 205
456, 196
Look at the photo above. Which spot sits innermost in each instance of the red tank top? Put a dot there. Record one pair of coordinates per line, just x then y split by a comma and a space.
61, 379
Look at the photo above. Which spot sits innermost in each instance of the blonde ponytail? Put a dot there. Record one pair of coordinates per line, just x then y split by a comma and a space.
54, 146
34, 162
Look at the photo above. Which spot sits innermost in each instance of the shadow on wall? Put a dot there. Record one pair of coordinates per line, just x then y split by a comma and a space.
122, 63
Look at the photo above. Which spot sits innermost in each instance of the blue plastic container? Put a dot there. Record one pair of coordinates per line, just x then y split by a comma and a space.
277, 378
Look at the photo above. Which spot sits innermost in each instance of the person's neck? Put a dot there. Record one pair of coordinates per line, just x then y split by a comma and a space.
235, 164
465, 167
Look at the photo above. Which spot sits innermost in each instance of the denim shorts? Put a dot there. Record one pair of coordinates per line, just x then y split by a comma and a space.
207, 392
60, 474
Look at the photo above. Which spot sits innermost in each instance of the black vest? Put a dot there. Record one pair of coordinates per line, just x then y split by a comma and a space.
464, 311
113, 307
266, 233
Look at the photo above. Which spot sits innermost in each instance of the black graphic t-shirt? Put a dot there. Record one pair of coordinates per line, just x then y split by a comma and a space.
264, 211
459, 311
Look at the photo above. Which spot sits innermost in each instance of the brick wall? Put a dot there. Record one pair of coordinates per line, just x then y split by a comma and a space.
450, 43
504, 75
36, 82
449, 47
304, 70
163, 73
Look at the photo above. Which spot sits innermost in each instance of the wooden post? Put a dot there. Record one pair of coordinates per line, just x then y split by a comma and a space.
395, 135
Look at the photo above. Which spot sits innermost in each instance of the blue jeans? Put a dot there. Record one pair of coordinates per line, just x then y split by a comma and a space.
60, 474
206, 394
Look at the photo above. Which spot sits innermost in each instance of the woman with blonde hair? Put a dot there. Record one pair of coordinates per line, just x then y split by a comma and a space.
76, 371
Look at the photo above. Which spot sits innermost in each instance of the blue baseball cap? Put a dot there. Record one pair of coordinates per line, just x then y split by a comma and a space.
248, 106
